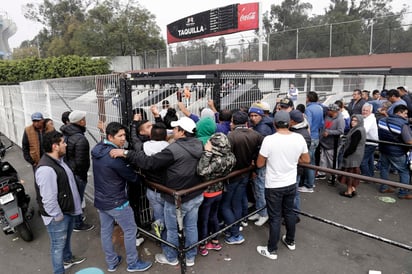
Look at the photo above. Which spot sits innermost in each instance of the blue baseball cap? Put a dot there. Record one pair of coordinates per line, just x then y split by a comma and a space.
37, 116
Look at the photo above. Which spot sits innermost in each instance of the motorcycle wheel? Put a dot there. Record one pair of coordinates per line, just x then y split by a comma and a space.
25, 231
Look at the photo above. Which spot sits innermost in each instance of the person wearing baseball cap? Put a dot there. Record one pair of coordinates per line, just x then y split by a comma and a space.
31, 144
178, 164
329, 139
280, 189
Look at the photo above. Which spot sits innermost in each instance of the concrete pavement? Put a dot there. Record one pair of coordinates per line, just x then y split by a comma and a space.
320, 248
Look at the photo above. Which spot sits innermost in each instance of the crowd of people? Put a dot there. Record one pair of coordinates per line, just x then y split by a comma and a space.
180, 153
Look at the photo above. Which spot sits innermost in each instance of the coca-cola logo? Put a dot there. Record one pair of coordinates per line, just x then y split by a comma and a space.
250, 16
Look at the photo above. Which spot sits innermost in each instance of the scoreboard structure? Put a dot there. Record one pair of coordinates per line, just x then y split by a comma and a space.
224, 20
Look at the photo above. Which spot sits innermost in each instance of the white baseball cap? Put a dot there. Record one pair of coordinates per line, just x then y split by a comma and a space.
186, 123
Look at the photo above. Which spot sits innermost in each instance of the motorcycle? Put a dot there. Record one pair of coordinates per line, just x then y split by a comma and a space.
14, 202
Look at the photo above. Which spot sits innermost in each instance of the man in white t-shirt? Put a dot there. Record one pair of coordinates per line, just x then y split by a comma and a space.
281, 153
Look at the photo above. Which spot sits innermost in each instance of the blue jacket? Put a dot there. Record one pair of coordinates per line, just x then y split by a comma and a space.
314, 115
265, 126
110, 177
390, 129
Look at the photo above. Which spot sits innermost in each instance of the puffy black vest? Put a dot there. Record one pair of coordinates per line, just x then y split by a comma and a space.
64, 193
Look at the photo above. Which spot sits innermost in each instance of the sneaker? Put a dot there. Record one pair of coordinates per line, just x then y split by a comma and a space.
262, 220
139, 266
73, 262
161, 258
243, 223
213, 246
202, 251
241, 228
263, 250
139, 241
305, 189
387, 190
405, 196
83, 227
190, 262
114, 268
290, 245
235, 240
320, 177
158, 227
254, 217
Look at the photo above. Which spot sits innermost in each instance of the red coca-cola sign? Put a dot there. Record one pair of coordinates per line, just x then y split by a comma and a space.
248, 16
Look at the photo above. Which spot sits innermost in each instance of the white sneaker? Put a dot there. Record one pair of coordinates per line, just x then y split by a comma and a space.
305, 189
291, 245
139, 241
254, 217
161, 258
243, 223
262, 220
240, 228
263, 250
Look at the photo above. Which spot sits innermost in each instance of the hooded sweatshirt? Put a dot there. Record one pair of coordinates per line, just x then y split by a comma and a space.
205, 128
354, 147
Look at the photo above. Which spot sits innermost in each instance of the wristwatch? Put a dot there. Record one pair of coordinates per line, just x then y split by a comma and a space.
125, 152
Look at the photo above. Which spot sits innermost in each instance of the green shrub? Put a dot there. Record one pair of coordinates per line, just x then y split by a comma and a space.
33, 68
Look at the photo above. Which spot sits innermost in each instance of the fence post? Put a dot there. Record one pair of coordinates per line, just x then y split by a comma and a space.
330, 40
126, 101
371, 39
297, 43
180, 233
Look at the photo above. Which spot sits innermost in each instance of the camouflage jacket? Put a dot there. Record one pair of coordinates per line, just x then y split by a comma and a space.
216, 163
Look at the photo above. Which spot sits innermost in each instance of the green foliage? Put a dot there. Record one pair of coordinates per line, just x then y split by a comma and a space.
94, 28
33, 68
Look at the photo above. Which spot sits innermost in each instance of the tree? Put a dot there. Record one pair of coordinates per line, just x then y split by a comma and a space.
281, 24
107, 28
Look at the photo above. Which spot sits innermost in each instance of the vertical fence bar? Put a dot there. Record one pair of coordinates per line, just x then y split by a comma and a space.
371, 40
297, 43
330, 40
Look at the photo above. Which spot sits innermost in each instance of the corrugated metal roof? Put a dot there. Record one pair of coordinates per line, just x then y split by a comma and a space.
395, 63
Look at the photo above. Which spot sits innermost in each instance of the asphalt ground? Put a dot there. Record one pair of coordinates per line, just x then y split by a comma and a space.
320, 247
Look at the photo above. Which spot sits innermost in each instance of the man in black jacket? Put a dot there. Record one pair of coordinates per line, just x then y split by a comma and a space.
178, 161
78, 157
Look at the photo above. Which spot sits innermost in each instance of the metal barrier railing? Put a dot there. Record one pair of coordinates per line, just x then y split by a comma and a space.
178, 194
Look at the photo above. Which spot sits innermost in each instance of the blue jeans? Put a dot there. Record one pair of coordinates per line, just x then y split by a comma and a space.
368, 166
81, 186
260, 191
400, 164
124, 216
232, 202
309, 181
189, 213
208, 222
279, 201
157, 203
296, 202
60, 234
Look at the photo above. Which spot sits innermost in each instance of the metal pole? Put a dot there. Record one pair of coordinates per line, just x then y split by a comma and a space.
330, 40
297, 43
180, 233
371, 39
167, 56
268, 49
260, 33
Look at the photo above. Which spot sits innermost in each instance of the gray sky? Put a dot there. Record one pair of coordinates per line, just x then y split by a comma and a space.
166, 11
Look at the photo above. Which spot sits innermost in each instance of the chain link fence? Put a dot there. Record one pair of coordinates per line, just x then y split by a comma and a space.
379, 35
